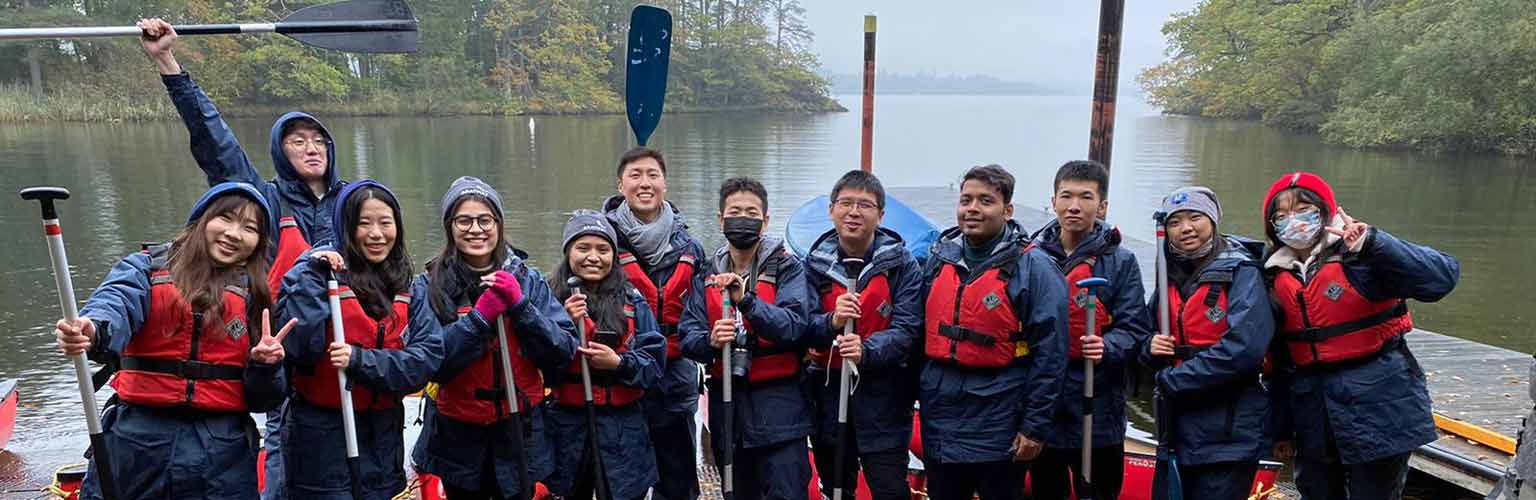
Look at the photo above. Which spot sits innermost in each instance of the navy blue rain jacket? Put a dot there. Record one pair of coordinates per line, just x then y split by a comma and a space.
623, 438
775, 411
1130, 327
220, 156
1219, 407
456, 451
880, 409
1381, 407
313, 447
679, 388
972, 415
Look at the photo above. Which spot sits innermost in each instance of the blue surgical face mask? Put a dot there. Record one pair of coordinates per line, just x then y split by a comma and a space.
1300, 230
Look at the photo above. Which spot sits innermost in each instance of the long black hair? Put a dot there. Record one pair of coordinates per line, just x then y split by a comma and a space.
374, 284
605, 303
449, 278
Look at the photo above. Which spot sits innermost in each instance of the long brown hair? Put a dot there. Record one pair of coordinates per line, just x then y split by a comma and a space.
201, 281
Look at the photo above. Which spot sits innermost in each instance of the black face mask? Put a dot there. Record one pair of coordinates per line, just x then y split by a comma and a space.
743, 232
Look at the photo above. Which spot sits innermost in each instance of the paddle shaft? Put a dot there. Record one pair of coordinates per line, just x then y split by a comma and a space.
727, 458
599, 473
66, 290
1163, 416
515, 419
293, 27
844, 381
348, 418
1090, 308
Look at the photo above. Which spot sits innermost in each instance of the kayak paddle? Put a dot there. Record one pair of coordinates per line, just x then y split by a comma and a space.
45, 196
364, 26
645, 74
1090, 309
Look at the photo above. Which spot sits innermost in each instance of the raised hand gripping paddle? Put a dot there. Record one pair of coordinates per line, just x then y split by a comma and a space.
363, 26
645, 73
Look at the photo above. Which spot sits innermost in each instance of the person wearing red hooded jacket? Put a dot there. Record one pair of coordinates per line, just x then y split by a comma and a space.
1349, 396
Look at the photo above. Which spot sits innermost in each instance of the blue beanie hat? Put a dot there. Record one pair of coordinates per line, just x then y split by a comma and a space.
226, 188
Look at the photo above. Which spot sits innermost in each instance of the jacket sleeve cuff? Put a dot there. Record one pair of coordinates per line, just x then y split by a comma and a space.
177, 82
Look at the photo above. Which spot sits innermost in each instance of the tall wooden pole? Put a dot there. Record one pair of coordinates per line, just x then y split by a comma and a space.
866, 145
1105, 81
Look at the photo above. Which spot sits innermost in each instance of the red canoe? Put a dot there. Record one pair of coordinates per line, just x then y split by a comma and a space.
7, 410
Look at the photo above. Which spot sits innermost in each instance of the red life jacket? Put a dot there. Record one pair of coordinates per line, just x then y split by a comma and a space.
769, 362
667, 302
973, 324
605, 391
1077, 310
1328, 320
478, 395
1199, 321
172, 362
874, 300
320, 387
290, 246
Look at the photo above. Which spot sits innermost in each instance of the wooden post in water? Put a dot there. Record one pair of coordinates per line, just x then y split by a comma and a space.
866, 144
1105, 80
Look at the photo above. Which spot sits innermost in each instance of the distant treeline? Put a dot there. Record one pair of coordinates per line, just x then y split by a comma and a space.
1431, 75
933, 83
477, 56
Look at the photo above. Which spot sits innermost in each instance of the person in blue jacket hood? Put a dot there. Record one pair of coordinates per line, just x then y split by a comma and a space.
886, 315
994, 343
660, 259
766, 323
623, 350
1221, 327
303, 153
1084, 246
1350, 398
181, 318
466, 438
393, 344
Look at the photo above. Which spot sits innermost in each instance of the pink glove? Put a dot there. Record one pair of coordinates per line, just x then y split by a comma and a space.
508, 288
491, 305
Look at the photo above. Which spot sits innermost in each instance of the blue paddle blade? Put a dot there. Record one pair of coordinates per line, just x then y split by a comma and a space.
645, 74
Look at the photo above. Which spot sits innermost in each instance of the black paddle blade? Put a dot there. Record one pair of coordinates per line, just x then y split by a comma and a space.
363, 26
645, 75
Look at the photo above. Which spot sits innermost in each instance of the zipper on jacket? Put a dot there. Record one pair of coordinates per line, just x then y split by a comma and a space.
373, 402
197, 333
954, 344
1306, 323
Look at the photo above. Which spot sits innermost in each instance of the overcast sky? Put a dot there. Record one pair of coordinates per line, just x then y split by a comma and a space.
1045, 41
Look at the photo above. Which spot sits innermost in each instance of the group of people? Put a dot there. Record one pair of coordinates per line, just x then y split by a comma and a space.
1289, 346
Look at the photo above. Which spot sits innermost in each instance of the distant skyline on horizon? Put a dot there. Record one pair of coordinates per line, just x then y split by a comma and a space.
1046, 43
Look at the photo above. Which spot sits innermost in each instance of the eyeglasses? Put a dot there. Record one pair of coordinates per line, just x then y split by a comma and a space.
463, 222
306, 143
1279, 218
850, 204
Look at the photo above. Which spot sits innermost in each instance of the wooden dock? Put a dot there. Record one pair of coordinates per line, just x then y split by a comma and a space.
1474, 383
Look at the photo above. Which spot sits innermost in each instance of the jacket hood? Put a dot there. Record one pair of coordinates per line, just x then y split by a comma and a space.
889, 251
287, 175
951, 247
1102, 239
